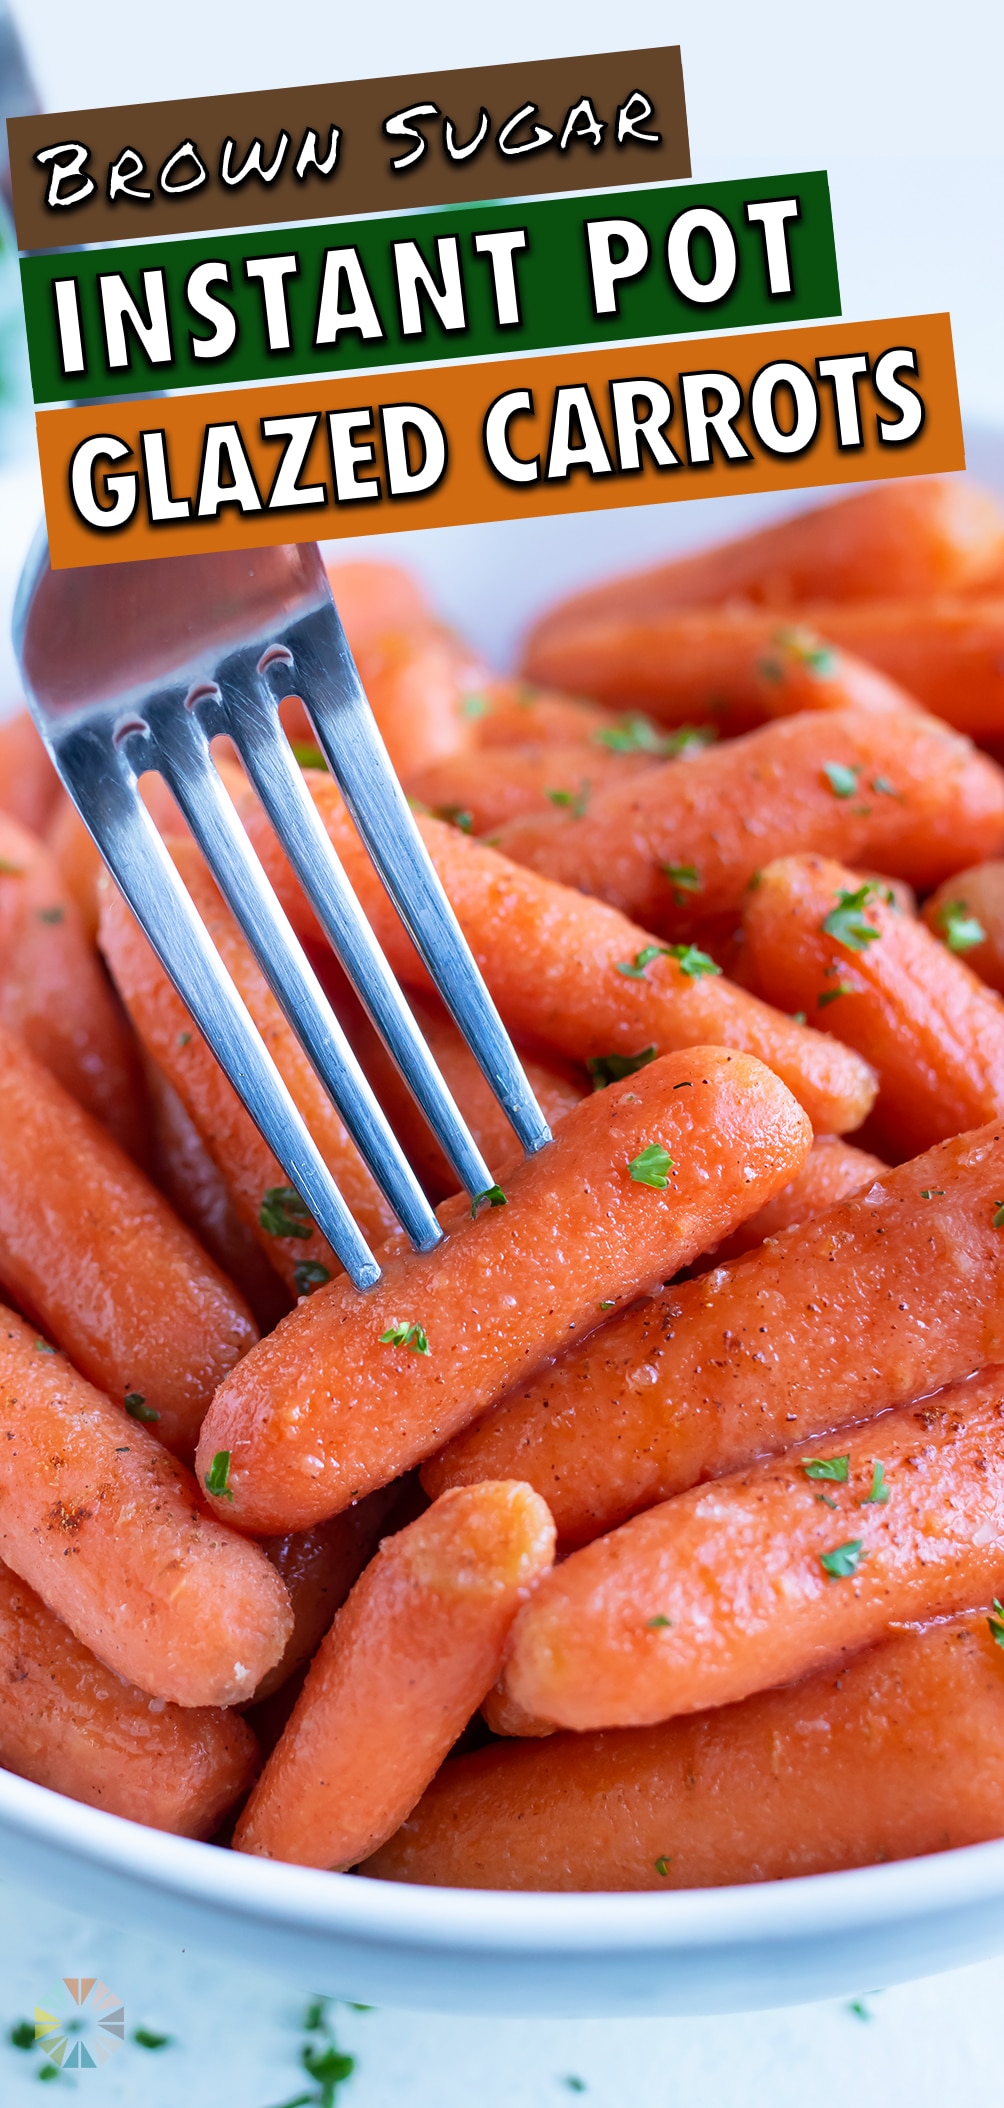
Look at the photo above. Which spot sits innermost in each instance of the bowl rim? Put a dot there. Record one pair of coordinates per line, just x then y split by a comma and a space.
483, 1921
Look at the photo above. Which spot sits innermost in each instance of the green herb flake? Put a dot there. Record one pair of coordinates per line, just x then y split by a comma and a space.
456, 815
609, 1304
473, 706
663, 1865
576, 801
42, 1346
284, 1214
843, 781
932, 1192
21, 2035
492, 1194
818, 659
826, 1502
879, 1490
835, 1470
658, 1624
691, 961
996, 1624
406, 1335
844, 1560
829, 995
138, 1409
798, 1017
147, 2038
684, 878
634, 969
960, 930
999, 1215
612, 1068
218, 1476
636, 734
883, 788
184, 1039
652, 1166
51, 914
309, 1274
846, 922
307, 754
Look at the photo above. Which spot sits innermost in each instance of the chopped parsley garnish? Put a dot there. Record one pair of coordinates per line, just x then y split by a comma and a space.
883, 788
846, 921
878, 1493
137, 1407
184, 1039
959, 928
684, 878
818, 659
284, 1214
472, 706
844, 1559
218, 1475
636, 734
689, 959
829, 995
457, 815
798, 1017
652, 1166
634, 969
51, 914
825, 1501
996, 1624
932, 1192
145, 2038
663, 1865
309, 1274
42, 1346
834, 1469
576, 801
658, 1624
608, 1304
307, 755
406, 1335
843, 781
999, 1215
612, 1068
492, 1194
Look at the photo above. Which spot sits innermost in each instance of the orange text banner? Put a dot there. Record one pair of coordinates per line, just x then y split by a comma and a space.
561, 432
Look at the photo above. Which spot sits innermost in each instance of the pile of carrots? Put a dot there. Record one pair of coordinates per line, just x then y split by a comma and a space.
648, 1533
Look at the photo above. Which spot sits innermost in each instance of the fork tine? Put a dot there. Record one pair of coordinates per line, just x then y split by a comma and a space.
328, 684
103, 787
181, 750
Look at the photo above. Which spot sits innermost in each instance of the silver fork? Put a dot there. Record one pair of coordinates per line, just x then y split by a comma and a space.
136, 666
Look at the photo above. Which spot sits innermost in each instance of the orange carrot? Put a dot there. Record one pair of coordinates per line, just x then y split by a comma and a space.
374, 597
782, 1569
318, 1569
482, 789
29, 785
821, 941
77, 856
564, 969
92, 1250
53, 992
967, 913
832, 1171
893, 790
904, 540
947, 652
404, 1666
188, 1177
423, 686
900, 1753
351, 1389
516, 714
737, 666
112, 1533
66, 1723
890, 1294
293, 1245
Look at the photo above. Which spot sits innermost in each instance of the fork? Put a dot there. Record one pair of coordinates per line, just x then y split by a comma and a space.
129, 667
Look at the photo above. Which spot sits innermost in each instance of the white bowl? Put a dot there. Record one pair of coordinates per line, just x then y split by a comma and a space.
703, 1951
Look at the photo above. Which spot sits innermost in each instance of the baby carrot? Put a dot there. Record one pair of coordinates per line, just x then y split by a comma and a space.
53, 992
781, 1569
890, 1294
77, 856
517, 715
259, 1186
97, 1256
571, 974
967, 913
737, 666
373, 597
351, 1389
890, 789
112, 1533
820, 940
196, 1189
898, 1754
66, 1723
907, 540
423, 687
406, 1663
29, 785
484, 788
831, 1172
947, 652
318, 1569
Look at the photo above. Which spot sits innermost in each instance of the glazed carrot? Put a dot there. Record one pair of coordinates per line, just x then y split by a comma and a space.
172, 1038
831, 1172
189, 1179
483, 788
373, 597
890, 1294
77, 856
53, 992
29, 785
737, 666
948, 652
555, 1091
318, 1569
423, 686
351, 1389
900, 1753
907, 540
821, 941
891, 789
555, 963
66, 1723
97, 1257
112, 1533
780, 1570
967, 913
406, 1663
516, 714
